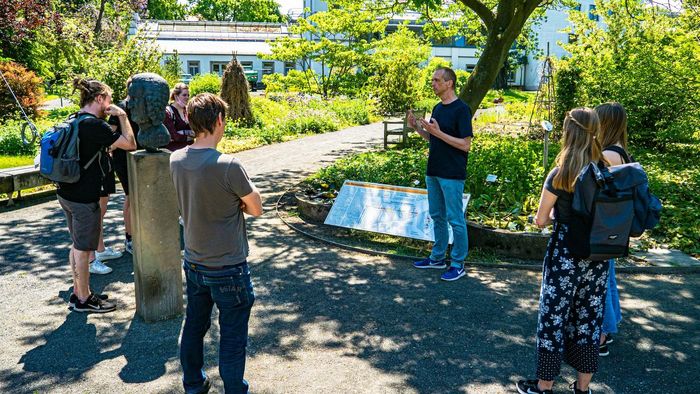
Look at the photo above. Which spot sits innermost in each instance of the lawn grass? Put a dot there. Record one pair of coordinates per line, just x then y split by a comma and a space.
15, 161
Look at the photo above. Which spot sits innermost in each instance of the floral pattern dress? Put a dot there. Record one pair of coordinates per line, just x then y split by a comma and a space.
571, 307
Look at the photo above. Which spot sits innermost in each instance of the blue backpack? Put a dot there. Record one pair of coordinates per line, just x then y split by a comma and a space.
60, 151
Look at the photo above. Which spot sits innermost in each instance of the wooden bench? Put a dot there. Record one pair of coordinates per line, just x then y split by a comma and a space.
20, 178
402, 131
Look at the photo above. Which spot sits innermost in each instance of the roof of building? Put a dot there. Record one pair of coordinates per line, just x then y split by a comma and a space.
210, 37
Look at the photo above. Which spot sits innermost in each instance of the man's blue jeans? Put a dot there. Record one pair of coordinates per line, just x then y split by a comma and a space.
445, 206
232, 291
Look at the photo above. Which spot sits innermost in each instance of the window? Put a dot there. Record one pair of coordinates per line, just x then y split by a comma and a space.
193, 67
247, 66
470, 67
218, 67
289, 66
578, 7
268, 68
592, 15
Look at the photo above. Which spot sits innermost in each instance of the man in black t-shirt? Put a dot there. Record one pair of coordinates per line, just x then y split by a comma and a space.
449, 132
80, 200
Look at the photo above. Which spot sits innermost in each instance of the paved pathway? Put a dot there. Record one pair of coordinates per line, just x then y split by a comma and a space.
326, 320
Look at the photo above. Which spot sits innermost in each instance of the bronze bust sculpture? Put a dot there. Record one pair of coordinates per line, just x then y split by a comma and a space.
148, 96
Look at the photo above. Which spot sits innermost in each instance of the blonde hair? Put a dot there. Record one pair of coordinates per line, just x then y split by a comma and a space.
179, 87
90, 89
579, 147
613, 124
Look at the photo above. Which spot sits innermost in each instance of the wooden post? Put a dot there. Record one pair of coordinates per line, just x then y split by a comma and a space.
156, 237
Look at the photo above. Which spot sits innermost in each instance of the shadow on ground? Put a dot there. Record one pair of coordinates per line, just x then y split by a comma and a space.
470, 335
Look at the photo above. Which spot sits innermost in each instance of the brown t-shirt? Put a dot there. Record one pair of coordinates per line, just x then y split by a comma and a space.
209, 186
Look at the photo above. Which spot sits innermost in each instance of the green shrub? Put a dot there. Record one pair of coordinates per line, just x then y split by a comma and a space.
27, 87
676, 183
395, 61
405, 167
205, 83
294, 81
516, 162
649, 63
352, 112
267, 112
310, 121
116, 65
11, 140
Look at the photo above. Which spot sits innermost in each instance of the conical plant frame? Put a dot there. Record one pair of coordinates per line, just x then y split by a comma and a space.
234, 91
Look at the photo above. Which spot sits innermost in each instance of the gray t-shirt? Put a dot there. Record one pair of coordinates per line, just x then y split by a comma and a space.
209, 186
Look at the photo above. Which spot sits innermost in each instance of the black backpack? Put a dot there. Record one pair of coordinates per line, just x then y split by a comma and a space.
610, 205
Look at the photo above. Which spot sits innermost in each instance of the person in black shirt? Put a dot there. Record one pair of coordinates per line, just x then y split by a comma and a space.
120, 167
572, 296
450, 134
80, 200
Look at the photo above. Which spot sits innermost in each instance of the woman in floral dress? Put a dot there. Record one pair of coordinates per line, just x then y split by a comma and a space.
572, 295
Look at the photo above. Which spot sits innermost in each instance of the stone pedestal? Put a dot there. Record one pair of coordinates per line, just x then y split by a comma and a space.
156, 238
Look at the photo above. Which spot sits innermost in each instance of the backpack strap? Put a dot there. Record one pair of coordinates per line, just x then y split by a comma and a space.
98, 155
626, 158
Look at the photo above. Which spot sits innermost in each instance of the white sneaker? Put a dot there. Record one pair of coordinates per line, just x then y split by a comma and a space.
98, 267
108, 254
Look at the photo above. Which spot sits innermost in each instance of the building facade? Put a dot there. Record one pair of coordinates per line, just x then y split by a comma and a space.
207, 46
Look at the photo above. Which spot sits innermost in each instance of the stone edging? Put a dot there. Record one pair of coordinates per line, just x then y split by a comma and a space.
526, 267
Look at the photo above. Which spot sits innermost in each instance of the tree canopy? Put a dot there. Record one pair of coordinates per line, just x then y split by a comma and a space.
237, 10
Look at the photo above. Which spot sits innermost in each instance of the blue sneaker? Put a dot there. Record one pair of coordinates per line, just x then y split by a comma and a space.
453, 273
429, 263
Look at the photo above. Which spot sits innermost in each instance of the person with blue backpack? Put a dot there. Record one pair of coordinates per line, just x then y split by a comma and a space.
613, 138
572, 294
84, 142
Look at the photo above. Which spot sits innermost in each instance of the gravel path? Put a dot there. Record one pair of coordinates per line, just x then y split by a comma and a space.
326, 320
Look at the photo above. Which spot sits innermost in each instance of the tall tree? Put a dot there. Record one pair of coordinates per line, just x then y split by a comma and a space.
19, 22
337, 40
237, 10
166, 9
502, 21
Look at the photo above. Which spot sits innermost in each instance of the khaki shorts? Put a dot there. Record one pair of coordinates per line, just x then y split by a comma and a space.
83, 223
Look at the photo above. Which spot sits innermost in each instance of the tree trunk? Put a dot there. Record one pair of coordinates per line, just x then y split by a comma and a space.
486, 71
98, 24
502, 78
503, 28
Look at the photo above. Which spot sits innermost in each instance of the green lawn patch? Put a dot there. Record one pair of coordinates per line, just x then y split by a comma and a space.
15, 161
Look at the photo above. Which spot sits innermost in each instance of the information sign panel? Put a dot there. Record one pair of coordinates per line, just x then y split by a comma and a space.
386, 209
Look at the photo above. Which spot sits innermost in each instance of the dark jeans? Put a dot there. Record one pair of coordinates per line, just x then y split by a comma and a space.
232, 292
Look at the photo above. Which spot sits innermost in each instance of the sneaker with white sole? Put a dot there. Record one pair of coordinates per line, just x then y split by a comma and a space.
530, 387
99, 268
74, 299
453, 273
108, 254
94, 304
430, 263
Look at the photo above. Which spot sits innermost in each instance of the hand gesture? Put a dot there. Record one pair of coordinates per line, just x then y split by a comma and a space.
114, 110
431, 127
412, 120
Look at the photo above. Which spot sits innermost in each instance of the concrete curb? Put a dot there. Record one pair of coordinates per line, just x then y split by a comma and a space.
525, 267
